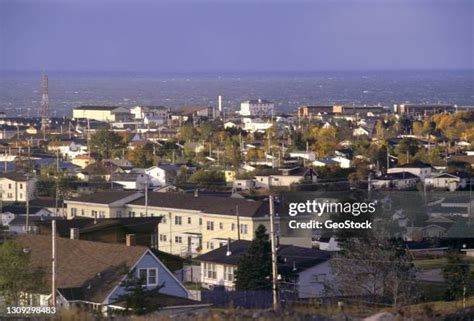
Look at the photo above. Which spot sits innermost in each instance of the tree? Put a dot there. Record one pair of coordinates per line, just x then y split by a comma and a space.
381, 273
188, 133
139, 299
207, 178
254, 269
17, 276
456, 274
142, 156
326, 140
105, 143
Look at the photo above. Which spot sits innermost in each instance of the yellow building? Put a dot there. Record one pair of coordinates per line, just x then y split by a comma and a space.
191, 224
102, 113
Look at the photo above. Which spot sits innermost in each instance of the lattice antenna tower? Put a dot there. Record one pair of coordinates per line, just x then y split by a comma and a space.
45, 103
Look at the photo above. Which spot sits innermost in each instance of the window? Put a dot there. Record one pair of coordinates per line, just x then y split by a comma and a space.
232, 227
21, 186
94, 213
152, 276
21, 195
210, 225
149, 276
200, 221
189, 220
9, 186
82, 212
221, 225
177, 220
10, 195
178, 239
129, 213
243, 229
164, 219
163, 237
229, 273
210, 271
73, 211
318, 278
142, 274
210, 245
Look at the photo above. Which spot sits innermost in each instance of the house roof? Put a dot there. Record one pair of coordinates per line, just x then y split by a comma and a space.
20, 209
96, 107
257, 101
206, 204
94, 267
400, 175
294, 257
105, 197
15, 176
415, 165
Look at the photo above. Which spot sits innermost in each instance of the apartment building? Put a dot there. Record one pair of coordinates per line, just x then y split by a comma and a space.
15, 187
191, 224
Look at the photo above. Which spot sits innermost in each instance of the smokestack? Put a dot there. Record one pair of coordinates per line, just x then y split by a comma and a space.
220, 104
74, 233
130, 240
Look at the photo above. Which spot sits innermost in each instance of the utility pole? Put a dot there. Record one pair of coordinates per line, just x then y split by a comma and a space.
146, 196
27, 198
238, 221
53, 262
274, 255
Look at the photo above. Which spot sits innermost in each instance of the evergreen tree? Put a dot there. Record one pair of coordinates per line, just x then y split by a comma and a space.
138, 299
255, 267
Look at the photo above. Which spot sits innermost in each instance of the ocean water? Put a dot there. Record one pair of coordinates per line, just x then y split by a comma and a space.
20, 92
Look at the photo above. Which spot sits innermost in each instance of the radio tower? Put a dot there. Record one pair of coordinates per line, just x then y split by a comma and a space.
45, 104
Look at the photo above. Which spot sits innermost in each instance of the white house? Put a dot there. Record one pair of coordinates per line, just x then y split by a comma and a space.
163, 174
284, 177
259, 107
308, 155
151, 114
310, 267
256, 125
447, 181
243, 184
419, 169
362, 131
15, 187
398, 180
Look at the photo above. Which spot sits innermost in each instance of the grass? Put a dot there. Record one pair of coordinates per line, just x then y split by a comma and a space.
439, 263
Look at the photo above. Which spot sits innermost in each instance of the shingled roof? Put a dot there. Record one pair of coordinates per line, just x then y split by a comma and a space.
205, 204
93, 267
106, 197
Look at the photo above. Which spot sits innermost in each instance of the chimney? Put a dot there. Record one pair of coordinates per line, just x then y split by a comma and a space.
74, 233
196, 192
130, 239
229, 252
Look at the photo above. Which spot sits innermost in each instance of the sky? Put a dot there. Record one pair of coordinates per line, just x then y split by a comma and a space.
231, 35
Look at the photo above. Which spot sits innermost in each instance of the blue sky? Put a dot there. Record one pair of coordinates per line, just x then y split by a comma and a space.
190, 36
